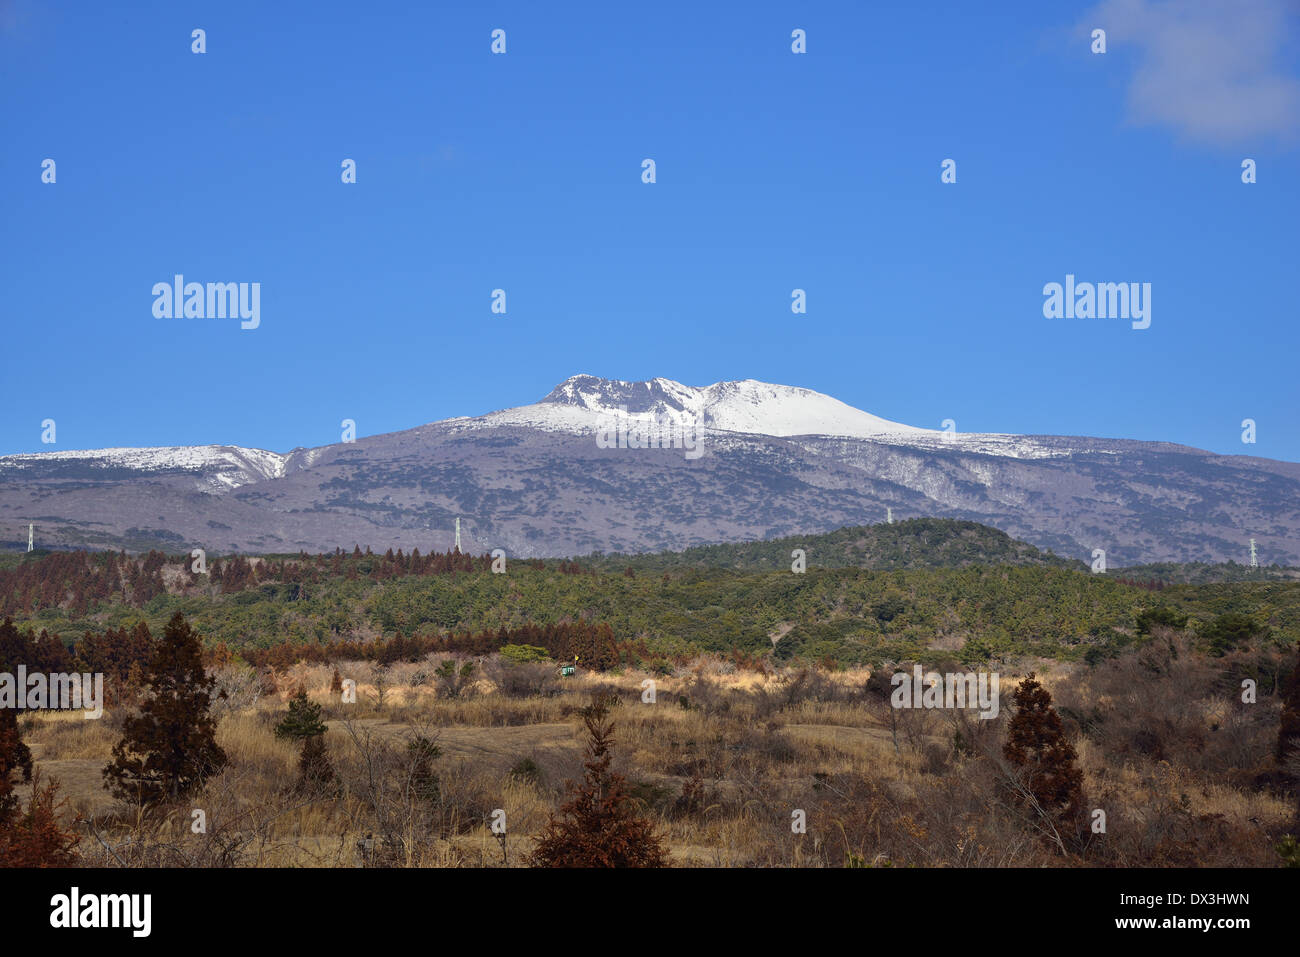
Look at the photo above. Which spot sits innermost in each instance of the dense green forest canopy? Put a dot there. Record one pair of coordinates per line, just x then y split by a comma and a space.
914, 543
917, 590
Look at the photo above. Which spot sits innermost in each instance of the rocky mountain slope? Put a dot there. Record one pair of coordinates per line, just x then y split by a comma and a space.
773, 461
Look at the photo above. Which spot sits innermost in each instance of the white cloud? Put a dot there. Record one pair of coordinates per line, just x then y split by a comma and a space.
1219, 71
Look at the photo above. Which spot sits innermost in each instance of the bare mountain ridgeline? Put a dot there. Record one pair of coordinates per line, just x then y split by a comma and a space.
776, 461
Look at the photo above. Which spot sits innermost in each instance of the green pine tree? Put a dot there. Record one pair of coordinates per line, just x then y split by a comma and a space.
303, 720
303, 723
170, 747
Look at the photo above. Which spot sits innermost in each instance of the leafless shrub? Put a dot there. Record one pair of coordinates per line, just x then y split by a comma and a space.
533, 679
237, 688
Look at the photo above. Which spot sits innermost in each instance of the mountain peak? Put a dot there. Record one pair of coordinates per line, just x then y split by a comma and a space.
609, 395
747, 405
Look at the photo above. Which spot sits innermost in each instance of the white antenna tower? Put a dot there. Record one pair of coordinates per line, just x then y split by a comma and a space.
31, 531
457, 533
1254, 559
889, 516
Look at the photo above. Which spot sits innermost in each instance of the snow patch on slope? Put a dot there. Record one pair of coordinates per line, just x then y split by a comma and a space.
765, 409
225, 466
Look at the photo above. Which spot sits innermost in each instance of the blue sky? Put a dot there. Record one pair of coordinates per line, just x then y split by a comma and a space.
522, 171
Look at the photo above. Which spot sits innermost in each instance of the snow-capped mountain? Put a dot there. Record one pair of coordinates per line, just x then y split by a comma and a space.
756, 408
776, 460
219, 466
582, 403
579, 405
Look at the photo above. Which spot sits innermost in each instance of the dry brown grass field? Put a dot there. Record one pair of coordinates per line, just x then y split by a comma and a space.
719, 762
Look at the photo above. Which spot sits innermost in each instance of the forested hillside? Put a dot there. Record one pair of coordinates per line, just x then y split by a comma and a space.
1203, 573
1000, 600
914, 543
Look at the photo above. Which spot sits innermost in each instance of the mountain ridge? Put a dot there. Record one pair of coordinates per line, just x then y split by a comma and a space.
534, 481
663, 396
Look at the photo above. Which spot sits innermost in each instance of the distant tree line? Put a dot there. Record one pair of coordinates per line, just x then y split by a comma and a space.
80, 580
122, 654
593, 644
